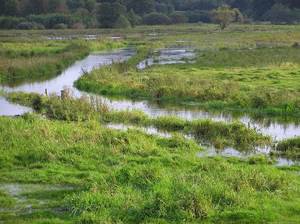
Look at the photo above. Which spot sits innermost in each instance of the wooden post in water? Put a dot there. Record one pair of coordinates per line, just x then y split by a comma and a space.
46, 92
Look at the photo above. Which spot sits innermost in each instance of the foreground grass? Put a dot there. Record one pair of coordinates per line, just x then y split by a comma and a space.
134, 178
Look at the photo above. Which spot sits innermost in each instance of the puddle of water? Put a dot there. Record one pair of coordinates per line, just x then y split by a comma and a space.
168, 57
25, 204
70, 37
209, 150
10, 109
274, 129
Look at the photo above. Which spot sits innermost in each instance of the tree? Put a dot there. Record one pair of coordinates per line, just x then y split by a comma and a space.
142, 7
108, 13
178, 17
260, 7
280, 14
156, 19
224, 15
122, 22
2, 5
133, 18
90, 5
11, 7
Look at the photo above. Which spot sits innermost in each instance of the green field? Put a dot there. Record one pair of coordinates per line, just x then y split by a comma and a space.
62, 163
257, 75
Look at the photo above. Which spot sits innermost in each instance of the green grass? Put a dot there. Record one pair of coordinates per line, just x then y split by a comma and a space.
25, 61
289, 148
219, 134
258, 76
134, 178
263, 85
72, 169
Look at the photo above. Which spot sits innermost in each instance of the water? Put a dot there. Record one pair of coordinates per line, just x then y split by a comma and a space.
147, 130
10, 109
25, 202
71, 74
276, 130
70, 37
209, 150
168, 57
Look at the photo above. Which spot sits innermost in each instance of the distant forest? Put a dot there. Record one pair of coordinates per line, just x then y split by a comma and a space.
61, 14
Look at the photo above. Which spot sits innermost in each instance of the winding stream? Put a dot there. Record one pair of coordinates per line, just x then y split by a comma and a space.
276, 130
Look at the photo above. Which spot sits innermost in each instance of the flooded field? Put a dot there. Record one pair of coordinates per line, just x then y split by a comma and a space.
276, 130
172, 124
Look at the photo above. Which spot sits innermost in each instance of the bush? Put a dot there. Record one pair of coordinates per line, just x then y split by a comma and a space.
156, 19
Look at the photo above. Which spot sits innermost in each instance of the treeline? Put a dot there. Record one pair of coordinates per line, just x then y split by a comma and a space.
39, 14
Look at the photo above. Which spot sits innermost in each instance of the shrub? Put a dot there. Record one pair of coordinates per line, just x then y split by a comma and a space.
156, 19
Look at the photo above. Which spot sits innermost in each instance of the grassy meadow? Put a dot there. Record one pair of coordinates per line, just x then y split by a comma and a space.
236, 70
63, 164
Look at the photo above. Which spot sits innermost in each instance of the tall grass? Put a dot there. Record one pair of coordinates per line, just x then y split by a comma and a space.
134, 178
289, 148
220, 134
25, 61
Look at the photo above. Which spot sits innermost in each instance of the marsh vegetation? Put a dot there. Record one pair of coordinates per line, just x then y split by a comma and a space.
64, 162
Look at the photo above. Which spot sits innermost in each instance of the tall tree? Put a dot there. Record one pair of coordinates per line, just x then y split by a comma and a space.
225, 15
108, 13
260, 7
142, 7
11, 7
